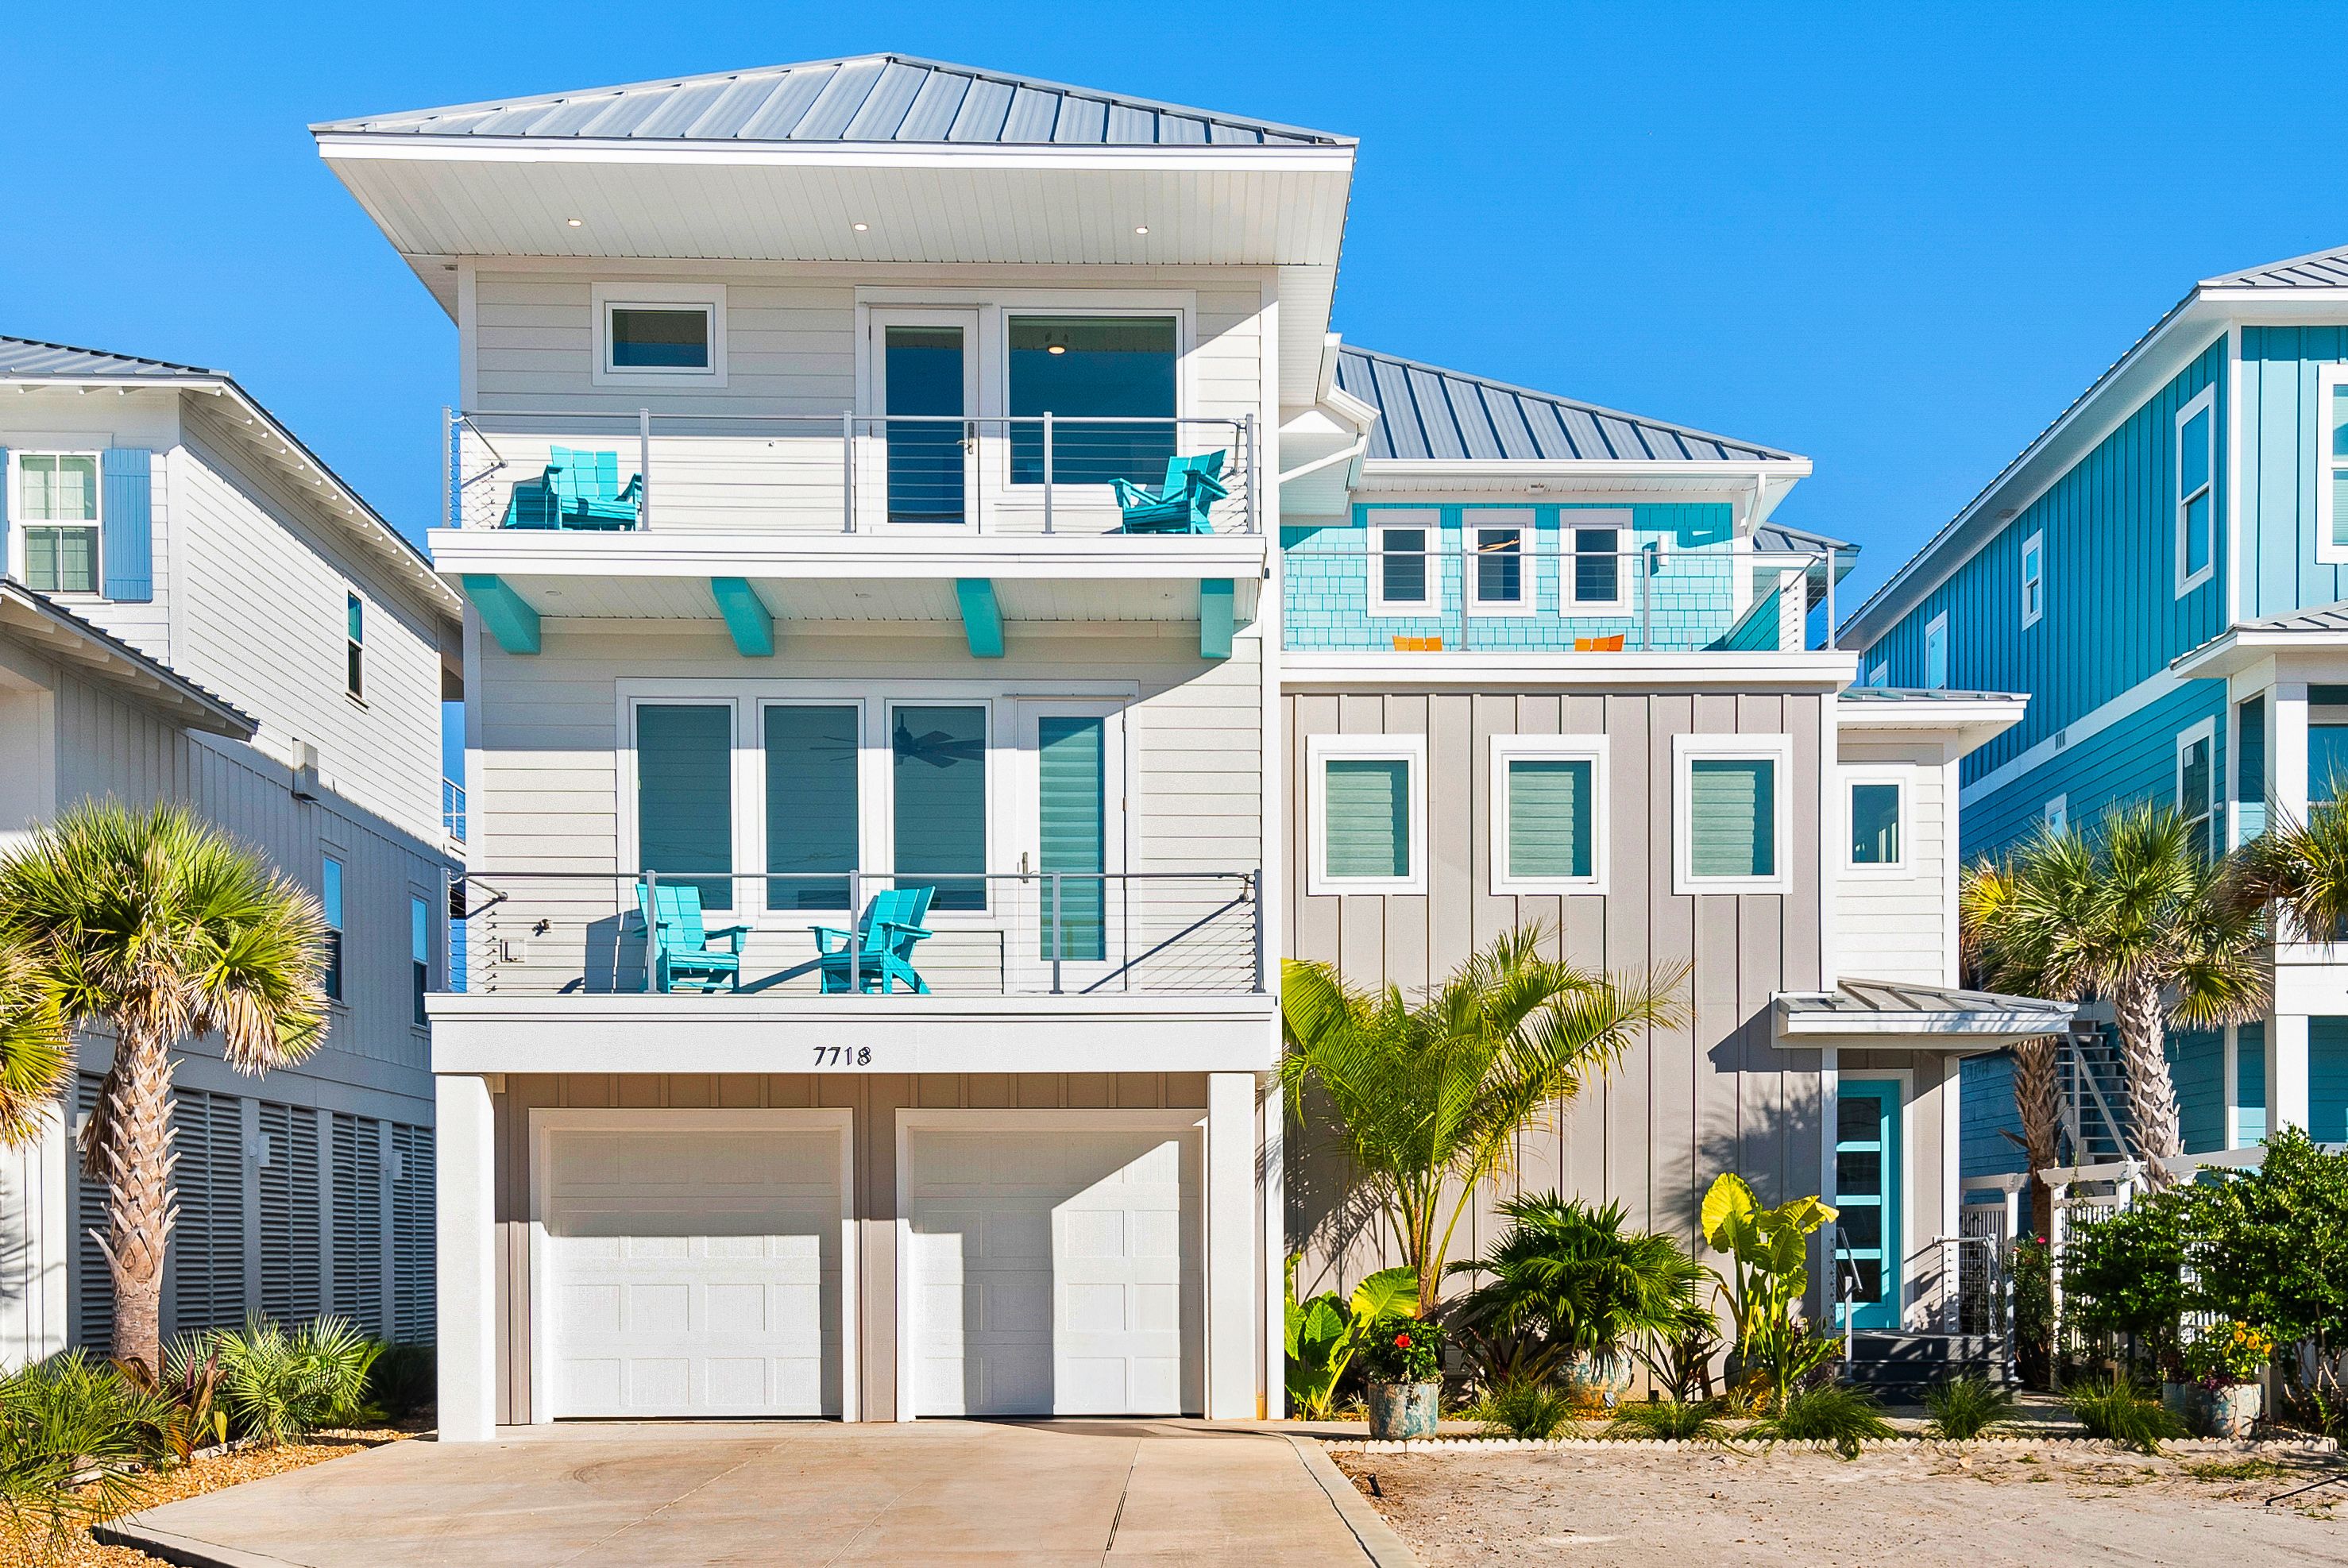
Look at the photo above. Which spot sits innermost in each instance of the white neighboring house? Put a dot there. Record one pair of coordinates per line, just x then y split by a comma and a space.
195, 608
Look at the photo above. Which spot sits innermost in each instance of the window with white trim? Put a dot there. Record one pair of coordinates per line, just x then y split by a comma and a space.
1876, 819
2197, 493
1936, 653
2033, 579
2058, 815
1402, 573
353, 648
1549, 813
330, 899
1500, 562
1731, 828
420, 952
1595, 574
2197, 782
2332, 463
57, 502
653, 334
1367, 802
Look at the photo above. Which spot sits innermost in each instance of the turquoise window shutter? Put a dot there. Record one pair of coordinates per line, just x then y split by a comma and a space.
811, 804
1549, 817
1072, 834
126, 524
1365, 820
685, 795
1732, 817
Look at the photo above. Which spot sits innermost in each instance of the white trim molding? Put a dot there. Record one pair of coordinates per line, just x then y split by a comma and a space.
2202, 402
1777, 750
1590, 748
1319, 751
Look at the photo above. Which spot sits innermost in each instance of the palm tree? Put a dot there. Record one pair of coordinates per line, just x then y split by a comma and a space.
157, 929
1427, 1099
32, 1047
1567, 1281
1986, 889
2135, 914
2300, 869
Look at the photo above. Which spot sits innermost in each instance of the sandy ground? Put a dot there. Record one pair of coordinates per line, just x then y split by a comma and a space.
1997, 1508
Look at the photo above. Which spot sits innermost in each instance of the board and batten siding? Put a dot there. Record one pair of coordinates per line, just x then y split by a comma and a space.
1687, 1102
1895, 926
2112, 616
2282, 447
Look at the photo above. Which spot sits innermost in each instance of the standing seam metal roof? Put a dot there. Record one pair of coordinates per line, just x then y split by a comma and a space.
1425, 411
863, 99
30, 358
2316, 269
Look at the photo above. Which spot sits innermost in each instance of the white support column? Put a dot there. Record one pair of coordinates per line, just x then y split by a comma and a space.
2287, 1089
2287, 762
1275, 1251
467, 1214
1231, 1315
2230, 1092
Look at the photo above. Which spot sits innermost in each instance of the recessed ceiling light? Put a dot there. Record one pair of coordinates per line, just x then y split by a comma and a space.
860, 228
1056, 348
1141, 228
572, 222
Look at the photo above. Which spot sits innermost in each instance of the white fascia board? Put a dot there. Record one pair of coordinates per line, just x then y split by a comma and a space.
1227, 158
2241, 650
1624, 671
479, 1033
840, 556
1734, 481
1965, 726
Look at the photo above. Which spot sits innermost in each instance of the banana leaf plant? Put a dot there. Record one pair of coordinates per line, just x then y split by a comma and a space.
1768, 1252
1324, 1333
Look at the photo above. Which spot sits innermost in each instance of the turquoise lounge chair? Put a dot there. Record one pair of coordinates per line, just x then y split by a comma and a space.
586, 488
682, 956
880, 950
1192, 487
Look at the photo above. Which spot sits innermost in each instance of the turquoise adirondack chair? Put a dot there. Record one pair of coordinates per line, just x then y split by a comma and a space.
683, 958
880, 950
1180, 505
532, 504
587, 491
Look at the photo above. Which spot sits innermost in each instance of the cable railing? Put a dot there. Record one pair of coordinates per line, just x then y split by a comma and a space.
857, 932
635, 470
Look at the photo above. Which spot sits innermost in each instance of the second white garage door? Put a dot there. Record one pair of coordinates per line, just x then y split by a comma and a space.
690, 1263
1056, 1269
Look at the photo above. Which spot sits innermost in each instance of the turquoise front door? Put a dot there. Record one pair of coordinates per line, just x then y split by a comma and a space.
1867, 1193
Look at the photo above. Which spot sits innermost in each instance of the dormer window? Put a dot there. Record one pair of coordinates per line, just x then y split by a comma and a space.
659, 334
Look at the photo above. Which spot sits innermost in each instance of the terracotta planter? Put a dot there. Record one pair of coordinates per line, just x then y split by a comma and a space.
2228, 1410
1403, 1410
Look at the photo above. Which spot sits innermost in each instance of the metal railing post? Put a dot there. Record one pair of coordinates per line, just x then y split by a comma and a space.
1647, 560
1255, 905
1059, 916
450, 466
1466, 567
1047, 471
644, 468
447, 930
855, 933
848, 495
652, 931
1830, 603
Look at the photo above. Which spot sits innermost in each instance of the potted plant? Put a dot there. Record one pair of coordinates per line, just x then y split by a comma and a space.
1403, 1359
2223, 1366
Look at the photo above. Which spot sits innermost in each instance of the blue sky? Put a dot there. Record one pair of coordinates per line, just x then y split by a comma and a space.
1896, 242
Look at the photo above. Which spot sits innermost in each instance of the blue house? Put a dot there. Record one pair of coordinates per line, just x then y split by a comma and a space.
2163, 570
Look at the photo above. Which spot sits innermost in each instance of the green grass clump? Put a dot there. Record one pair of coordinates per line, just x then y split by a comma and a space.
2113, 1409
1524, 1408
1835, 1413
1679, 1421
1968, 1407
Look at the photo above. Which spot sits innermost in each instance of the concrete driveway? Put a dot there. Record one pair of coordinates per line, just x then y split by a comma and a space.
1045, 1492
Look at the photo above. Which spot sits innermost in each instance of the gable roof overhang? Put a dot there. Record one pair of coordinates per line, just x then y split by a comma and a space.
1963, 721
34, 621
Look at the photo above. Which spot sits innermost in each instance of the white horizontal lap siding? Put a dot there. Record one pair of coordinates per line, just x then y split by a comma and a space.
1895, 927
1227, 360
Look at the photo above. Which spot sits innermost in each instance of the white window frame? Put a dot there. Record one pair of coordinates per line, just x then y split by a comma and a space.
657, 295
2033, 579
2057, 814
16, 517
1474, 523
1570, 524
1774, 748
339, 858
1936, 630
1431, 602
2329, 380
2203, 401
1319, 750
1904, 780
352, 600
1507, 749
2204, 733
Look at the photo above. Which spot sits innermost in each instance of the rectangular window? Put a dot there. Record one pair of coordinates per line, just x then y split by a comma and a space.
57, 497
2033, 579
2251, 767
2197, 453
1403, 581
1071, 833
1596, 576
355, 646
1732, 823
938, 801
650, 333
1498, 568
2194, 779
1936, 653
1108, 381
1549, 813
811, 809
684, 796
1367, 813
330, 896
2332, 462
419, 951
1879, 807
2327, 760
661, 336
2058, 815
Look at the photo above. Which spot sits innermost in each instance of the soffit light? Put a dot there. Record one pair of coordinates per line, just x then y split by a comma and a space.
574, 223
860, 228
1141, 228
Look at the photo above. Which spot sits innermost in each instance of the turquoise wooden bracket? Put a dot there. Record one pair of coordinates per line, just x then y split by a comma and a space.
505, 612
746, 616
1215, 618
981, 617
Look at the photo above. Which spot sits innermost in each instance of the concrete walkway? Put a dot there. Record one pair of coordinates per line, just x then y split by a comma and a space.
647, 1496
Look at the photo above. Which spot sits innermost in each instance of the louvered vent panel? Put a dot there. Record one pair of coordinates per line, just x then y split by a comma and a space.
93, 1282
411, 1236
206, 1250
359, 1222
288, 1185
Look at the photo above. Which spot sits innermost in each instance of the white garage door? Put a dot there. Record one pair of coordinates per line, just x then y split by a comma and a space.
1055, 1271
692, 1269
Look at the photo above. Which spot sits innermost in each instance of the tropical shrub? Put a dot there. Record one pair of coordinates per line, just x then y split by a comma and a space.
1566, 1280
1679, 1421
2227, 1352
1768, 1251
2117, 1411
1426, 1098
1835, 1413
1400, 1347
282, 1385
1679, 1359
2123, 1279
1324, 1335
404, 1379
2030, 1265
2269, 1248
72, 1435
1967, 1406
1524, 1407
189, 1412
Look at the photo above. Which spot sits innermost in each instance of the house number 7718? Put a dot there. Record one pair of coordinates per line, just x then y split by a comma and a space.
843, 1056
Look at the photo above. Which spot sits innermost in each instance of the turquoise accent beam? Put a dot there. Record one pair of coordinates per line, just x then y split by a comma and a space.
505, 612
1215, 618
746, 616
981, 617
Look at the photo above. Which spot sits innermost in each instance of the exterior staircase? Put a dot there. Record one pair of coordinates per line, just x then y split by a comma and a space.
1901, 1366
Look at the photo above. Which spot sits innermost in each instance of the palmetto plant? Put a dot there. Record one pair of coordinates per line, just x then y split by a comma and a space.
282, 1385
2301, 868
33, 1053
157, 929
1427, 1099
72, 1435
1565, 1279
2134, 913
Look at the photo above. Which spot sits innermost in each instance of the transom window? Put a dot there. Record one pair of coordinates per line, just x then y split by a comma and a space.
1731, 823
58, 498
1549, 813
1114, 376
2197, 428
1368, 813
